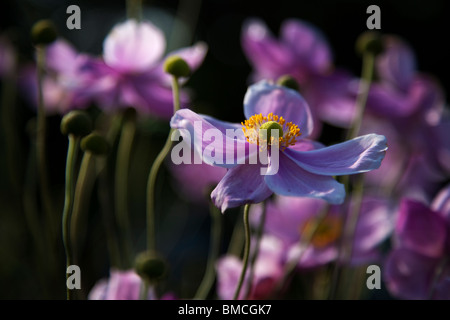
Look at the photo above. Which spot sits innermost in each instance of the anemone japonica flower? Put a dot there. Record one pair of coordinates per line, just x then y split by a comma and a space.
267, 272
66, 81
408, 107
288, 218
303, 52
418, 266
130, 72
121, 285
296, 166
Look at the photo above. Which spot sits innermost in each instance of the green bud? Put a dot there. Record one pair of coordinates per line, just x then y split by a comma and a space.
288, 82
369, 41
150, 267
76, 122
95, 143
177, 67
268, 127
43, 32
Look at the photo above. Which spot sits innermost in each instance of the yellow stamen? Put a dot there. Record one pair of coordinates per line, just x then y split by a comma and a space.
289, 132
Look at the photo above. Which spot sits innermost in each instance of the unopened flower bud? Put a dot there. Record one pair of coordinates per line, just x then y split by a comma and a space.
150, 267
76, 122
176, 66
95, 143
43, 32
288, 82
369, 41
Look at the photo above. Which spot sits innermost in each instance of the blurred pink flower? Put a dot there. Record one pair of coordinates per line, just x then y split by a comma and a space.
418, 266
131, 71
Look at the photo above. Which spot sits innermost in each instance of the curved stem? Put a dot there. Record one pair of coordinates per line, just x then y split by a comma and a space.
68, 201
121, 187
83, 189
208, 279
151, 234
246, 252
364, 86
259, 233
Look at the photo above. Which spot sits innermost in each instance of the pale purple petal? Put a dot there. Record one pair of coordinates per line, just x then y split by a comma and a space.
312, 257
441, 203
61, 56
241, 185
387, 101
292, 180
361, 154
264, 97
312, 52
397, 64
408, 274
228, 270
269, 57
121, 285
333, 97
228, 138
267, 271
286, 215
375, 224
420, 229
133, 46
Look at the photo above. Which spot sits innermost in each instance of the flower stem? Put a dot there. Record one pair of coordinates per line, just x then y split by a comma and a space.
259, 233
41, 146
364, 86
83, 189
68, 201
246, 252
151, 234
134, 9
208, 279
344, 255
121, 187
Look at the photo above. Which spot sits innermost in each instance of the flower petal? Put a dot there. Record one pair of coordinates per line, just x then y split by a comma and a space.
420, 229
286, 215
361, 154
375, 224
121, 285
397, 64
226, 140
441, 203
133, 46
408, 274
311, 49
60, 56
264, 97
333, 96
241, 185
292, 180
267, 55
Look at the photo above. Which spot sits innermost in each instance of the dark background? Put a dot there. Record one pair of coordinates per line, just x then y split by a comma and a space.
219, 87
